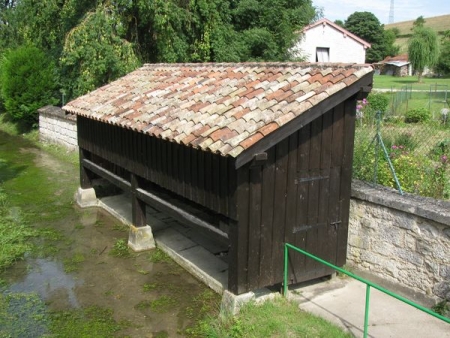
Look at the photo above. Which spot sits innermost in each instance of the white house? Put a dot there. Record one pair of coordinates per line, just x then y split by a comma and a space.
324, 41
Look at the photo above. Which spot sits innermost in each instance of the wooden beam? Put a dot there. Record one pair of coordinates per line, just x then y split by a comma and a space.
178, 213
106, 174
302, 120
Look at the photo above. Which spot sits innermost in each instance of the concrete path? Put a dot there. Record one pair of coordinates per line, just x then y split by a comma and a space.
342, 301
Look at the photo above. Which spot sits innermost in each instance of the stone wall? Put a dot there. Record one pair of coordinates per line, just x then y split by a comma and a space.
55, 126
402, 239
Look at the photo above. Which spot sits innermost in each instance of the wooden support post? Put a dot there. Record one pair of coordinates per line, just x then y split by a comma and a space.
85, 174
138, 206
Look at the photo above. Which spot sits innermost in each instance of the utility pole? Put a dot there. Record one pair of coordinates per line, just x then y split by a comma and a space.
391, 12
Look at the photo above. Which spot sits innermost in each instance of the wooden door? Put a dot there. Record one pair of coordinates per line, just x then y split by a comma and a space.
318, 222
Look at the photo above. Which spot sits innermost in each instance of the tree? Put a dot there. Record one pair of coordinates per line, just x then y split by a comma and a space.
390, 49
29, 82
419, 22
366, 26
95, 54
443, 64
423, 49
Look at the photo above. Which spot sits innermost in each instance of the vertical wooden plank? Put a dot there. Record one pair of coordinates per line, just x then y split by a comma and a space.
268, 204
349, 136
223, 186
303, 155
194, 174
175, 170
201, 178
254, 227
181, 171
312, 232
232, 187
169, 159
326, 232
208, 180
337, 152
238, 254
188, 173
279, 217
215, 182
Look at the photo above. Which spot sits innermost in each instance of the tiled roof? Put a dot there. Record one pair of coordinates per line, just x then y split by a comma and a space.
221, 108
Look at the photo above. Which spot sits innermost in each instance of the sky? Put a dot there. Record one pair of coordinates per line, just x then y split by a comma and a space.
404, 10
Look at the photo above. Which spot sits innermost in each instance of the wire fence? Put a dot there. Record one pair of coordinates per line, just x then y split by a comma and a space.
414, 126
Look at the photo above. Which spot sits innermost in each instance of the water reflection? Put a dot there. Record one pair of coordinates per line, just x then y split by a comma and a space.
48, 279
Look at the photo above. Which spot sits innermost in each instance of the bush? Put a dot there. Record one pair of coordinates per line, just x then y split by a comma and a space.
28, 82
377, 102
417, 115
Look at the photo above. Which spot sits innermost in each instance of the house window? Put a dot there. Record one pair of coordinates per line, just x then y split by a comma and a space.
322, 54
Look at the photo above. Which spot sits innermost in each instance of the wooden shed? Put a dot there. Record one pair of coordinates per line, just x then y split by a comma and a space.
263, 152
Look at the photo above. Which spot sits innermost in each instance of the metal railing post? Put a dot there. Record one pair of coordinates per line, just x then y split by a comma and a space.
366, 314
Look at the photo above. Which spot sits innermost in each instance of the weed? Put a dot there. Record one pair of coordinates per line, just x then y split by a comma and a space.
150, 286
120, 249
120, 227
89, 322
79, 226
158, 256
73, 264
442, 308
163, 304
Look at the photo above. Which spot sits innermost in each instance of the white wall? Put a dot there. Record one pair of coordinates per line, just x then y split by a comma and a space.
342, 48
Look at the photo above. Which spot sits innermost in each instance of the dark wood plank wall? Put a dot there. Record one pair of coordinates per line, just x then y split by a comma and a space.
300, 195
198, 176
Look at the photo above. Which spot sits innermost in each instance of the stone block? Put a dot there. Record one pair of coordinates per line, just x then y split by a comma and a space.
231, 303
86, 198
141, 238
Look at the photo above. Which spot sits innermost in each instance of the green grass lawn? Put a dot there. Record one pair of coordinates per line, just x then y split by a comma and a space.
388, 82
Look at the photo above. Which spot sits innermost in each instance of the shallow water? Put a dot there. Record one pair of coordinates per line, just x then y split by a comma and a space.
155, 298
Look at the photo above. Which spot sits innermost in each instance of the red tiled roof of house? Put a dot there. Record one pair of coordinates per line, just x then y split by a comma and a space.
402, 57
222, 108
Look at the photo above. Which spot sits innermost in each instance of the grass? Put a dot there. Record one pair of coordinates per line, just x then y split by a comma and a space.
388, 82
278, 318
14, 234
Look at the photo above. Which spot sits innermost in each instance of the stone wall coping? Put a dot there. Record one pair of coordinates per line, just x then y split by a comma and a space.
57, 111
426, 207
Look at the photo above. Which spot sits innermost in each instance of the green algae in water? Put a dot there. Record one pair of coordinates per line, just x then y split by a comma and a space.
23, 315
85, 323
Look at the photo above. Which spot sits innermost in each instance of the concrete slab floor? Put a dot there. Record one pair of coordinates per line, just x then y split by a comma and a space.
192, 249
342, 301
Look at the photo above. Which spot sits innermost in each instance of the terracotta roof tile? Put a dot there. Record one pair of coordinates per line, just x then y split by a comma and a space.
223, 108
251, 140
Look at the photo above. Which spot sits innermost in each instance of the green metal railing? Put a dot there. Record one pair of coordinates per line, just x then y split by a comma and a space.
369, 284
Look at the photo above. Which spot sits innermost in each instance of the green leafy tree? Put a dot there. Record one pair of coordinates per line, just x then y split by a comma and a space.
95, 54
368, 27
419, 22
390, 49
443, 64
423, 49
29, 82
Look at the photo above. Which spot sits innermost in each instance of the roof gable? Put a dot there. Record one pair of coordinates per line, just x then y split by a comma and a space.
221, 108
345, 32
